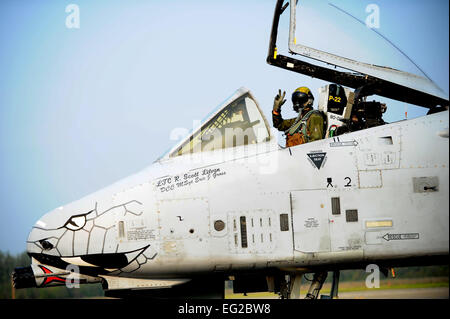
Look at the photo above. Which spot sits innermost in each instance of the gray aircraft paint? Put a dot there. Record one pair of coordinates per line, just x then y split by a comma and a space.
169, 231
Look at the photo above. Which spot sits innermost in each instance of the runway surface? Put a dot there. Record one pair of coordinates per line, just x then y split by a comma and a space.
398, 293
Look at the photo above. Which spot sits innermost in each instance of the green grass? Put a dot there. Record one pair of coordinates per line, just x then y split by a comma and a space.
397, 286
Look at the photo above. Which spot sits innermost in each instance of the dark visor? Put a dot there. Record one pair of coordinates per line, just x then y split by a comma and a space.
299, 98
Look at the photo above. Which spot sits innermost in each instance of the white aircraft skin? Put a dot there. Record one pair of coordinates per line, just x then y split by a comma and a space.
162, 225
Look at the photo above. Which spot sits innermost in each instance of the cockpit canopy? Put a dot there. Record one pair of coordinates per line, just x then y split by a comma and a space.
239, 122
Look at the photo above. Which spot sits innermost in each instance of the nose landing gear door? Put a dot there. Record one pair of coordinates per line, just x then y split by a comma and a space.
310, 221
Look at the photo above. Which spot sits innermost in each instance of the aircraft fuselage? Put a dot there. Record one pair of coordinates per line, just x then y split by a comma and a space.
370, 196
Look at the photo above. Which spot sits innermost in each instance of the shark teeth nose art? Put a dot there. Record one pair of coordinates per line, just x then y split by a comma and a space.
107, 261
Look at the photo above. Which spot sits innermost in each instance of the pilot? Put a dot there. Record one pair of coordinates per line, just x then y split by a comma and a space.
308, 126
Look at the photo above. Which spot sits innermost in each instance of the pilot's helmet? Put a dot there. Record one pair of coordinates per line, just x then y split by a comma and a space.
302, 98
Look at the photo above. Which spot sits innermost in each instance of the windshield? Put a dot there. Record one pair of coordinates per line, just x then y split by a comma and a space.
238, 123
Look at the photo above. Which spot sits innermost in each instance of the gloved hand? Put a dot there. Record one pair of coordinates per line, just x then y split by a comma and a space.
279, 101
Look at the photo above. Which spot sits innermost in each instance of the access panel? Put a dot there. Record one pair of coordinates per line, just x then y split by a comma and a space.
310, 220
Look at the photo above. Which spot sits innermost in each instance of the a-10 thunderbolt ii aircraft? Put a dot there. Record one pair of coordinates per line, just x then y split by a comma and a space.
228, 202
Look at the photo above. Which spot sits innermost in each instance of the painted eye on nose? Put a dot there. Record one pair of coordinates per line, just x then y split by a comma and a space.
76, 222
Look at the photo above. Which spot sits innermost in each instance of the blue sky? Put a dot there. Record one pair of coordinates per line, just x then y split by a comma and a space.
83, 108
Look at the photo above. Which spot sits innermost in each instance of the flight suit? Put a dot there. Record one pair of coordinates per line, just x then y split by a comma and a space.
294, 134
281, 124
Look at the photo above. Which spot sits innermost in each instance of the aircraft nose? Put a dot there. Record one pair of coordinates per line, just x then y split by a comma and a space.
36, 242
32, 247
42, 246
42, 240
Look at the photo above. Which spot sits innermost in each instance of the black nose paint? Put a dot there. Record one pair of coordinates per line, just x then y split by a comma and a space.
45, 244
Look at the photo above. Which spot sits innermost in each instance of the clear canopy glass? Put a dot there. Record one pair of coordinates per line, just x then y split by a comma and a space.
240, 122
